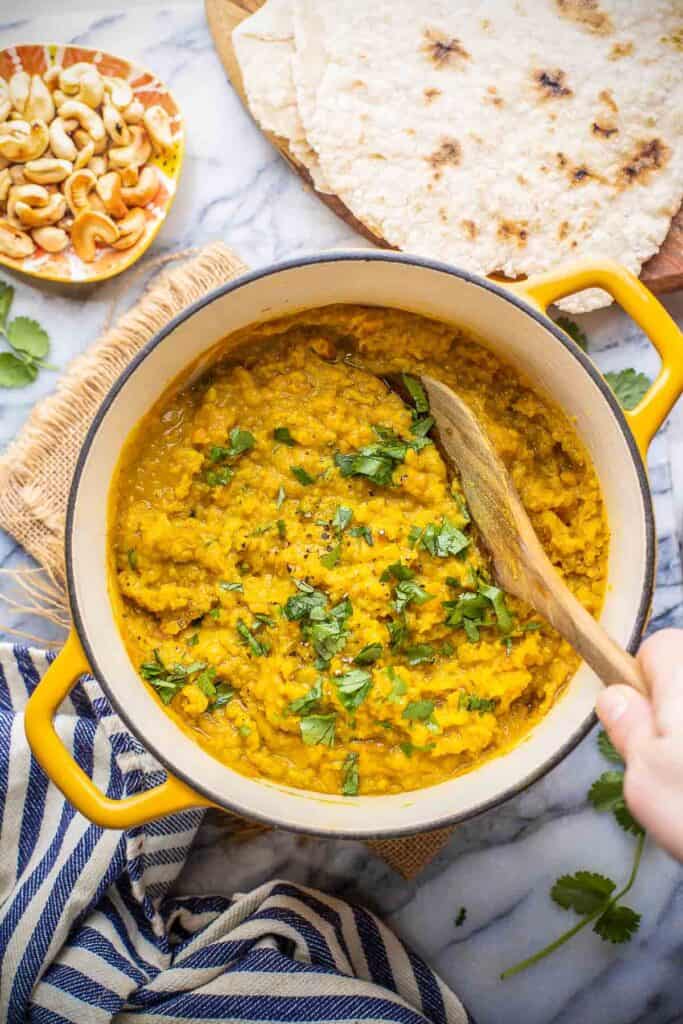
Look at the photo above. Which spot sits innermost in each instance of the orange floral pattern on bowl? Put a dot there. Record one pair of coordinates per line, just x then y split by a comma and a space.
67, 266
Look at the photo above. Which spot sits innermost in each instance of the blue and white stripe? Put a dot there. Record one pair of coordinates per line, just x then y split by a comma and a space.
88, 932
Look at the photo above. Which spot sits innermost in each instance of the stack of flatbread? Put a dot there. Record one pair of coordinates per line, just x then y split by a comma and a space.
504, 136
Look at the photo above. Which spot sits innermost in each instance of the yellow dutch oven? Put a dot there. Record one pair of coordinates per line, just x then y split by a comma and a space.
512, 321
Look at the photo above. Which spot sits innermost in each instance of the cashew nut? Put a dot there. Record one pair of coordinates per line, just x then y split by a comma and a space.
137, 152
119, 91
22, 141
77, 188
117, 129
61, 144
17, 175
29, 195
51, 76
51, 239
98, 165
129, 176
89, 120
88, 228
14, 242
145, 190
48, 170
39, 105
134, 112
85, 155
59, 97
109, 190
5, 101
5, 183
33, 217
19, 85
131, 229
83, 81
158, 125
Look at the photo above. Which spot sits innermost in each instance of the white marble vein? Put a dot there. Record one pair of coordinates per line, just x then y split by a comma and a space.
501, 865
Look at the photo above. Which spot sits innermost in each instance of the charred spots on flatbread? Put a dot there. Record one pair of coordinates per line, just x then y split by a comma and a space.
620, 50
431, 94
513, 230
447, 154
563, 230
551, 84
647, 158
577, 174
492, 96
603, 131
442, 50
588, 14
470, 228
605, 96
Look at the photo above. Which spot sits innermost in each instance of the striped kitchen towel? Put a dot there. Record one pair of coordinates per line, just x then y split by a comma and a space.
89, 932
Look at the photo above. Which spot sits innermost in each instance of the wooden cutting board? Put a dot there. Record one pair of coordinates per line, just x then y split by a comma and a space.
662, 273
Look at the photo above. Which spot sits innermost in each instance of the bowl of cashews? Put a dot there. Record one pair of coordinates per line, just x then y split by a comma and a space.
91, 147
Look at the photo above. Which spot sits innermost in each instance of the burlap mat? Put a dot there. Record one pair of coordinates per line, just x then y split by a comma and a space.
36, 471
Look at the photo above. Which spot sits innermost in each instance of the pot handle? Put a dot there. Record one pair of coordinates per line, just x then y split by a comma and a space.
57, 762
648, 313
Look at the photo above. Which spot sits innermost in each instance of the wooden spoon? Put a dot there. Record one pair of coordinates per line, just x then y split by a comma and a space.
521, 564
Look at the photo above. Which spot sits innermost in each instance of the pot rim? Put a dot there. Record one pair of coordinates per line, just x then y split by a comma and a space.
340, 256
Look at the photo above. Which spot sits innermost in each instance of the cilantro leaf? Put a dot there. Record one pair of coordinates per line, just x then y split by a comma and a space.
396, 571
408, 591
353, 687
257, 647
218, 477
626, 820
350, 775
617, 924
283, 435
629, 386
332, 557
607, 749
318, 730
470, 702
497, 598
14, 372
419, 710
378, 469
419, 654
444, 539
27, 336
398, 631
132, 557
302, 476
6, 298
225, 585
585, 891
303, 705
607, 792
364, 532
417, 393
281, 497
410, 748
399, 687
368, 655
224, 694
342, 518
575, 332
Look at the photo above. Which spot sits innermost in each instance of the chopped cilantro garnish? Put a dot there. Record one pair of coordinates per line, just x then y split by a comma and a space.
368, 654
304, 705
419, 654
470, 702
281, 497
410, 748
459, 500
283, 435
332, 557
353, 687
408, 591
318, 729
629, 386
342, 518
281, 529
398, 686
224, 694
443, 540
398, 631
241, 441
302, 476
132, 559
571, 328
364, 532
244, 730
224, 585
169, 681
324, 628
218, 477
417, 393
193, 640
377, 461
414, 534
246, 635
350, 775
396, 571
419, 710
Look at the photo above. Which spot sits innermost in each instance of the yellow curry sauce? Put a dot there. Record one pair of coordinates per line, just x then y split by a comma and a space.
298, 577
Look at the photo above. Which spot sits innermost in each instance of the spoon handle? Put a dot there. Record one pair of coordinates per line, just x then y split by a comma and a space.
589, 639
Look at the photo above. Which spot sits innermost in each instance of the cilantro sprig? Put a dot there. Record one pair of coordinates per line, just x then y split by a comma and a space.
324, 628
591, 895
29, 341
629, 386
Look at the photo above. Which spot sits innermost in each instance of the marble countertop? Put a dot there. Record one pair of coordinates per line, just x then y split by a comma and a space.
499, 866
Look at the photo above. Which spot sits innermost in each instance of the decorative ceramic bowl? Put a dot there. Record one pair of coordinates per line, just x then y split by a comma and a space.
66, 265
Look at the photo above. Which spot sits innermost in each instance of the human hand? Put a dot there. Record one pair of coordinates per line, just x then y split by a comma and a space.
648, 733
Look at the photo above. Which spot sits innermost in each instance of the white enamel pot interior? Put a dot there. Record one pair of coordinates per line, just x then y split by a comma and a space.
516, 333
